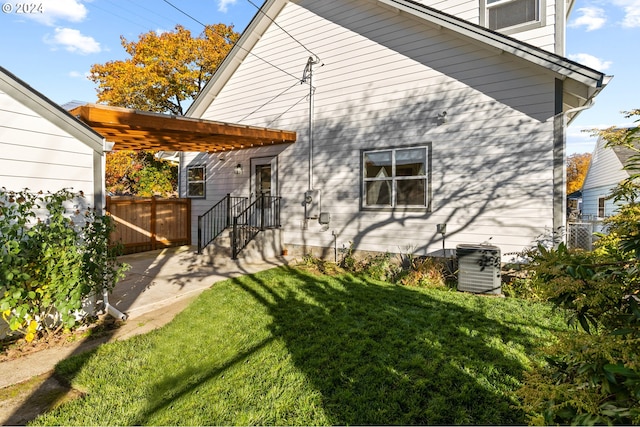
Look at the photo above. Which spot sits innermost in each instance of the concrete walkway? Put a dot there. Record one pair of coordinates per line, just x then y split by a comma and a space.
158, 286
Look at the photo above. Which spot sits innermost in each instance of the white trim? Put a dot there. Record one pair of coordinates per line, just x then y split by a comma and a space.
562, 67
203, 181
251, 35
543, 58
524, 26
29, 97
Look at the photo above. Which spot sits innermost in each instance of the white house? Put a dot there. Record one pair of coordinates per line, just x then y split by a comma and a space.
604, 174
409, 115
43, 147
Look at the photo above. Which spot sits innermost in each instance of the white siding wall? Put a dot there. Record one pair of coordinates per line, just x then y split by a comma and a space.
590, 202
545, 36
36, 154
541, 36
383, 83
221, 178
466, 9
605, 172
605, 168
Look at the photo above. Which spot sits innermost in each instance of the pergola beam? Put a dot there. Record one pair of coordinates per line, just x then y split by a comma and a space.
138, 130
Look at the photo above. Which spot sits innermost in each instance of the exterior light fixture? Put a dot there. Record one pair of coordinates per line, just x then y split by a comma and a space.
238, 169
442, 229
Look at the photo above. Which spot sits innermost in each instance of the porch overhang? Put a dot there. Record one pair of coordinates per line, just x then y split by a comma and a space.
130, 129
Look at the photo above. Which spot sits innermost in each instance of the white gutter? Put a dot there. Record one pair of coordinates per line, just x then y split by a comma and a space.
586, 106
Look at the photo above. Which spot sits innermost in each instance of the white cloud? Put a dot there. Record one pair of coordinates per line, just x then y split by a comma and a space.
78, 75
59, 10
223, 5
73, 41
593, 18
631, 12
591, 61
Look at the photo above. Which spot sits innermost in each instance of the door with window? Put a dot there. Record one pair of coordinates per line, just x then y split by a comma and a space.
264, 185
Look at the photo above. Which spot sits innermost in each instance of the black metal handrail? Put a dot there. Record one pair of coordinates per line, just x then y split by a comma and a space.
214, 221
260, 215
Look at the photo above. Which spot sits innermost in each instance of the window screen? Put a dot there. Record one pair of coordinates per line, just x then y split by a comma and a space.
508, 13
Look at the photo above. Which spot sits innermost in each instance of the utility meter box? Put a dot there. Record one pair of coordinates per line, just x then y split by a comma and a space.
312, 204
325, 218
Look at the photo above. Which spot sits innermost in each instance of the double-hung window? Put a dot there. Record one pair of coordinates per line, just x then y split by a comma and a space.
601, 207
502, 14
196, 181
396, 177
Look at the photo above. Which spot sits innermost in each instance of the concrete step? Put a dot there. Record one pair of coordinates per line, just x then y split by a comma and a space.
266, 245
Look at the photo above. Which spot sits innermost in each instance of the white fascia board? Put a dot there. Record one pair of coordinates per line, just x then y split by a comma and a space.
558, 64
570, 4
250, 36
49, 110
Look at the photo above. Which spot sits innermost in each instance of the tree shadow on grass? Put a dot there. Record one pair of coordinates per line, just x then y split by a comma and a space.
384, 354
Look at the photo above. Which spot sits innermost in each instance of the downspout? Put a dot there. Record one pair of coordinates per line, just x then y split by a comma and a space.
586, 106
108, 308
560, 167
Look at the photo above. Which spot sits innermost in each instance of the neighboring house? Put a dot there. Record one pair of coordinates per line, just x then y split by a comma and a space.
604, 174
44, 148
409, 115
574, 205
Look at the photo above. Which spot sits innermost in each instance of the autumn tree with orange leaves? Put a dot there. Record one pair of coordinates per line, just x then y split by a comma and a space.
164, 73
577, 166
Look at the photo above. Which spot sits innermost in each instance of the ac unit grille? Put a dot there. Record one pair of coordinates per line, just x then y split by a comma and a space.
479, 269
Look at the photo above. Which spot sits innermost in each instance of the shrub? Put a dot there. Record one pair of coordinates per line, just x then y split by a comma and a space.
424, 273
414, 271
51, 263
592, 375
381, 267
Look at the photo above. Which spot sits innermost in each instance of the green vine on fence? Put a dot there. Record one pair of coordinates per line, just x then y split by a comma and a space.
55, 254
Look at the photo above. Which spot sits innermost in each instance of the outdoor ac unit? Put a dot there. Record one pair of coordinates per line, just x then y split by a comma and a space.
479, 269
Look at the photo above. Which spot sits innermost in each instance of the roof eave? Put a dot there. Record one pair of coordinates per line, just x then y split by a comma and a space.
563, 68
538, 56
22, 92
249, 37
580, 104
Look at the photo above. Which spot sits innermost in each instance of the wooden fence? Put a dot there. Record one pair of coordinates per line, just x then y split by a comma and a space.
145, 224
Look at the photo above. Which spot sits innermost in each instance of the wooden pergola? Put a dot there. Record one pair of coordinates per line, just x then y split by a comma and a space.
139, 130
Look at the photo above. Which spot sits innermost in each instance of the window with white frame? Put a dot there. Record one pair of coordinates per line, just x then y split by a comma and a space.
396, 177
196, 181
601, 205
501, 14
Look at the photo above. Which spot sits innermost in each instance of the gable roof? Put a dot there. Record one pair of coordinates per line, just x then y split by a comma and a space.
49, 110
581, 83
607, 165
623, 153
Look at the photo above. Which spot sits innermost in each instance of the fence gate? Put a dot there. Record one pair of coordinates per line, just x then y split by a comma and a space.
145, 224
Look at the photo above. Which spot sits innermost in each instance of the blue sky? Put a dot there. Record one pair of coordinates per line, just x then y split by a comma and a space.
53, 51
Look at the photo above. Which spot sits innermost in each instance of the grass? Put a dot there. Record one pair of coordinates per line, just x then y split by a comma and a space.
289, 347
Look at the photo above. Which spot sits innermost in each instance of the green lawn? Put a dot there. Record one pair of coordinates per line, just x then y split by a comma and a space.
288, 347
